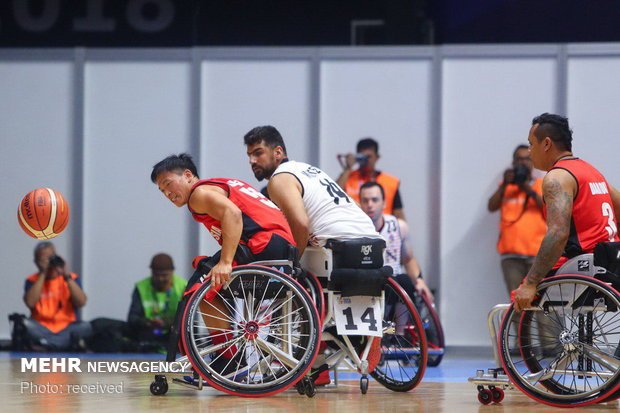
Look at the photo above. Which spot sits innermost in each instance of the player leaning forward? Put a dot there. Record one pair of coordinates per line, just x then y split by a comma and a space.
316, 208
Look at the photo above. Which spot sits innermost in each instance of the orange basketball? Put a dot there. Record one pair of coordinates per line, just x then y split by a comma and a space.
43, 213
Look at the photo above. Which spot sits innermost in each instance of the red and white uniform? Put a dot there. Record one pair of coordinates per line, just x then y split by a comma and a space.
593, 219
261, 217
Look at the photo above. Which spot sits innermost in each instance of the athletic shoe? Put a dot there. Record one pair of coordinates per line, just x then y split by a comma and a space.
374, 355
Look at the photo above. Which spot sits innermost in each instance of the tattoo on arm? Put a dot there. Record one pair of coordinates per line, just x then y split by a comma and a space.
559, 212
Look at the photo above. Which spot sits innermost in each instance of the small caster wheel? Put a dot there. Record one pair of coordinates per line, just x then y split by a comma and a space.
364, 385
485, 396
159, 387
301, 386
497, 394
310, 389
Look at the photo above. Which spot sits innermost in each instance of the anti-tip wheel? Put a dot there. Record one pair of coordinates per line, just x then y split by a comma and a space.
364, 385
485, 396
159, 388
498, 395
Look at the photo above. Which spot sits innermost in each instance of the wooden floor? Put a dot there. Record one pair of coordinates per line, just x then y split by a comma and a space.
17, 394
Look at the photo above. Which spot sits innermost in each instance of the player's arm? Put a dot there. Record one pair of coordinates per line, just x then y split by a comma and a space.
559, 189
410, 263
285, 191
214, 201
615, 200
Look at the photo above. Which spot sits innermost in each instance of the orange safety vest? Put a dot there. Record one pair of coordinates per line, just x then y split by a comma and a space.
389, 183
54, 309
521, 231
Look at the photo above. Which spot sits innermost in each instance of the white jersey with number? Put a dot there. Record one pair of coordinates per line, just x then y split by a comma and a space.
390, 231
332, 213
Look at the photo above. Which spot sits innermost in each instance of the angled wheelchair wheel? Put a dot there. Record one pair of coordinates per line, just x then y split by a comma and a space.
270, 336
432, 329
564, 351
404, 349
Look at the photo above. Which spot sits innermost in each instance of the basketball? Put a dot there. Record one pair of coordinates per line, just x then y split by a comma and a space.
43, 213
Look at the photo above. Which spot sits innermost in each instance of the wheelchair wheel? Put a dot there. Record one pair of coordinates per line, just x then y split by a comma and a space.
432, 329
403, 346
564, 351
272, 339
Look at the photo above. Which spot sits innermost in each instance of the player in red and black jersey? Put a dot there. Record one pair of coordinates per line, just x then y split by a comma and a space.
247, 225
238, 216
580, 206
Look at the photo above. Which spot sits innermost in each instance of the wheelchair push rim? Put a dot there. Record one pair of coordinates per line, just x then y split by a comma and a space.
274, 331
404, 352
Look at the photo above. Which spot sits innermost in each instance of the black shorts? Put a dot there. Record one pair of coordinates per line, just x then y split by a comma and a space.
278, 248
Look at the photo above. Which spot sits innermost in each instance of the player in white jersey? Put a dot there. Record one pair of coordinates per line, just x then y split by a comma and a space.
398, 252
316, 208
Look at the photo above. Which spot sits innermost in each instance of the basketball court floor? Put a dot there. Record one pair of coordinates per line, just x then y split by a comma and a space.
443, 389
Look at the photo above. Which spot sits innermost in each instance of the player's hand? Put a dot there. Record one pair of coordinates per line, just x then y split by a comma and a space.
523, 296
509, 176
220, 274
423, 289
350, 160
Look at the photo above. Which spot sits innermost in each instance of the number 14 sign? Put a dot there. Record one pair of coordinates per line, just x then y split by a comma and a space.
359, 316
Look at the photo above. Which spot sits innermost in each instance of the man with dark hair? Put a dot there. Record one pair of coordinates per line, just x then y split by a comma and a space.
248, 226
581, 207
398, 251
366, 158
522, 225
316, 208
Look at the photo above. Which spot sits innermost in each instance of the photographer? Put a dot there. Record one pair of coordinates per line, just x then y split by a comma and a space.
522, 226
53, 295
366, 159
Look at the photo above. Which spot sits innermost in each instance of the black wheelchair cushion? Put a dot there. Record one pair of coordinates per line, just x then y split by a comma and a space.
357, 253
354, 281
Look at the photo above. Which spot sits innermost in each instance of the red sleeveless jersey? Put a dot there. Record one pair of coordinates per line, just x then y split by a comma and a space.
593, 219
261, 217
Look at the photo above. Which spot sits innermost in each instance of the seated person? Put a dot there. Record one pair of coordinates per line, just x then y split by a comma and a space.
154, 301
53, 295
398, 252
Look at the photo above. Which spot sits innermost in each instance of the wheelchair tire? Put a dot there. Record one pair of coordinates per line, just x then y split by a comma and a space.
432, 328
567, 360
404, 351
274, 333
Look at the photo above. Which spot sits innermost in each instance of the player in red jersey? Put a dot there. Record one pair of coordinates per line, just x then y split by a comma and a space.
247, 225
580, 206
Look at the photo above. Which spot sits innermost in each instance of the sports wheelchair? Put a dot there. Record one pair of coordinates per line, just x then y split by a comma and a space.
276, 313
565, 350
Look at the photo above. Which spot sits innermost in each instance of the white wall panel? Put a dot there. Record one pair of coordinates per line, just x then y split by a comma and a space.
593, 91
135, 115
487, 108
389, 101
35, 139
239, 95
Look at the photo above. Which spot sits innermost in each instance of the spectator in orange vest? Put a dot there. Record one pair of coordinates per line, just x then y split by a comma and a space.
352, 180
522, 226
52, 294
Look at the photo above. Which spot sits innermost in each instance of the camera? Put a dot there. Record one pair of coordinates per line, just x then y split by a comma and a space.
361, 158
56, 261
521, 173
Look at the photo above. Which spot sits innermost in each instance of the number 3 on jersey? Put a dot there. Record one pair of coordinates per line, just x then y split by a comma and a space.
612, 228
